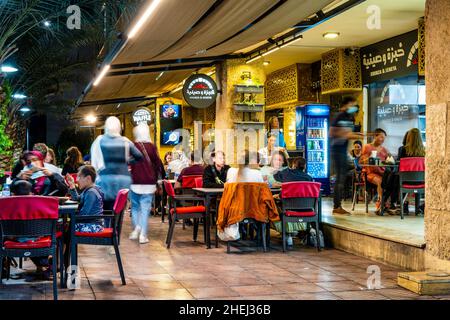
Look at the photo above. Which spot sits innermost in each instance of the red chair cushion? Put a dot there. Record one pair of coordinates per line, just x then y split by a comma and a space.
414, 164
58, 234
300, 213
28, 208
44, 242
193, 209
301, 189
106, 233
121, 201
413, 186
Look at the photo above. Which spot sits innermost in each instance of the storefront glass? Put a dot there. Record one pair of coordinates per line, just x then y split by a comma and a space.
396, 106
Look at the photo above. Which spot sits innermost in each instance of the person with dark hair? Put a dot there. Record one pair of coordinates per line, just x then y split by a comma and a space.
341, 131
375, 174
167, 159
277, 163
44, 181
90, 199
195, 169
21, 188
74, 160
215, 175
295, 173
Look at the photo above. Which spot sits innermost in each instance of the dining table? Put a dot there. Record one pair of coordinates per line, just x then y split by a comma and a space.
211, 194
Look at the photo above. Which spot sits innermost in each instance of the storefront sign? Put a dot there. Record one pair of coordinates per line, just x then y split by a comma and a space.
200, 91
142, 115
397, 113
391, 58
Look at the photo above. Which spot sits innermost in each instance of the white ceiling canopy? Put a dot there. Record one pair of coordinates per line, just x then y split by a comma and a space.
194, 29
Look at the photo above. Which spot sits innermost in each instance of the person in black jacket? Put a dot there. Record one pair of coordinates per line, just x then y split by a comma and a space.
44, 182
215, 175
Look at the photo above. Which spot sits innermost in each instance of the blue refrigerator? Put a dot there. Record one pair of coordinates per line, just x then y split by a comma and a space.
312, 125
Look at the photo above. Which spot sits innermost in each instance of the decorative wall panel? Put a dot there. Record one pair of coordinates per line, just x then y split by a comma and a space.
282, 86
341, 71
421, 55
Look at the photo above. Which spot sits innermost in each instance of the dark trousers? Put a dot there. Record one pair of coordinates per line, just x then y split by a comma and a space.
391, 185
340, 169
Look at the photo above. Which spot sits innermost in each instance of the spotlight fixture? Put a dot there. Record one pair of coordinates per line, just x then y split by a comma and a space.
266, 63
8, 69
91, 118
47, 23
25, 109
331, 35
19, 96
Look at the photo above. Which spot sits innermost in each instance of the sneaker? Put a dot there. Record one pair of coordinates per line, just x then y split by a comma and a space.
135, 234
340, 210
143, 239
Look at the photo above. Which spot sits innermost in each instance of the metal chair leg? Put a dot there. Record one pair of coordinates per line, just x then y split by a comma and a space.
263, 236
171, 228
195, 229
119, 262
283, 232
55, 279
317, 236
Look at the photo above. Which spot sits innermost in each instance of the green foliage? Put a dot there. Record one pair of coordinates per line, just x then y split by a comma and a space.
5, 141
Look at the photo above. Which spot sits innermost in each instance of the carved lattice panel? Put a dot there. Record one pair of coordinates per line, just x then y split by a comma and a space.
210, 113
330, 71
282, 86
421, 52
351, 71
341, 71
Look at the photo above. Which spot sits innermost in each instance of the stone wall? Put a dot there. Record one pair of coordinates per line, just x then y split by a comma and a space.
437, 73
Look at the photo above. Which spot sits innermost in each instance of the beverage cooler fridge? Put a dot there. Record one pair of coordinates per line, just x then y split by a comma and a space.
312, 125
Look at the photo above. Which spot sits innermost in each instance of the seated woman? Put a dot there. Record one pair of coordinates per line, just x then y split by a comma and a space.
294, 174
91, 198
44, 181
375, 174
356, 153
412, 147
278, 163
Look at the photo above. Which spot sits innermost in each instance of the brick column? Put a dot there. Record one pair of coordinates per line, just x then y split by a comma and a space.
437, 74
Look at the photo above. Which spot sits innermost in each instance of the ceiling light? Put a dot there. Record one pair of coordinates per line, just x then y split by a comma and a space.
19, 96
253, 59
8, 69
91, 118
143, 18
331, 35
101, 75
266, 63
270, 51
25, 109
47, 23
159, 76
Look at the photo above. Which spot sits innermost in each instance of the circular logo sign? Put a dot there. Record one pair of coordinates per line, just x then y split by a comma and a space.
200, 91
142, 115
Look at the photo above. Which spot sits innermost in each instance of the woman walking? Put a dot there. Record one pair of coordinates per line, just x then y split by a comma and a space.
144, 176
111, 154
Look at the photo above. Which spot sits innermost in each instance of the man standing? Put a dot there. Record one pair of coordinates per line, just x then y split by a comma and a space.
341, 131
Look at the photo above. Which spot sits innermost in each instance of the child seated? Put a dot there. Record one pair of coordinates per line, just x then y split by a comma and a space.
91, 199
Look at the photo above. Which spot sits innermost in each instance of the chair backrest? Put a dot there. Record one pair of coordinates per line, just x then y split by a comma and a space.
119, 210
169, 188
121, 201
301, 195
199, 182
28, 216
412, 170
189, 181
414, 164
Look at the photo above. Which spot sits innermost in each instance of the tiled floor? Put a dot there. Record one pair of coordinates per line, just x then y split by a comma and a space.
189, 271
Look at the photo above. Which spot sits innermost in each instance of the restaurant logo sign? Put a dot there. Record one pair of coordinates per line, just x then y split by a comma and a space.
142, 115
200, 91
397, 113
391, 58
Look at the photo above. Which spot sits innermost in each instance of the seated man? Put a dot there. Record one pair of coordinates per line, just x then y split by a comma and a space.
195, 169
294, 174
91, 198
375, 174
215, 175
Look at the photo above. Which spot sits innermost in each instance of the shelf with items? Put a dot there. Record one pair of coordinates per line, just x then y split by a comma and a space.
240, 88
245, 107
